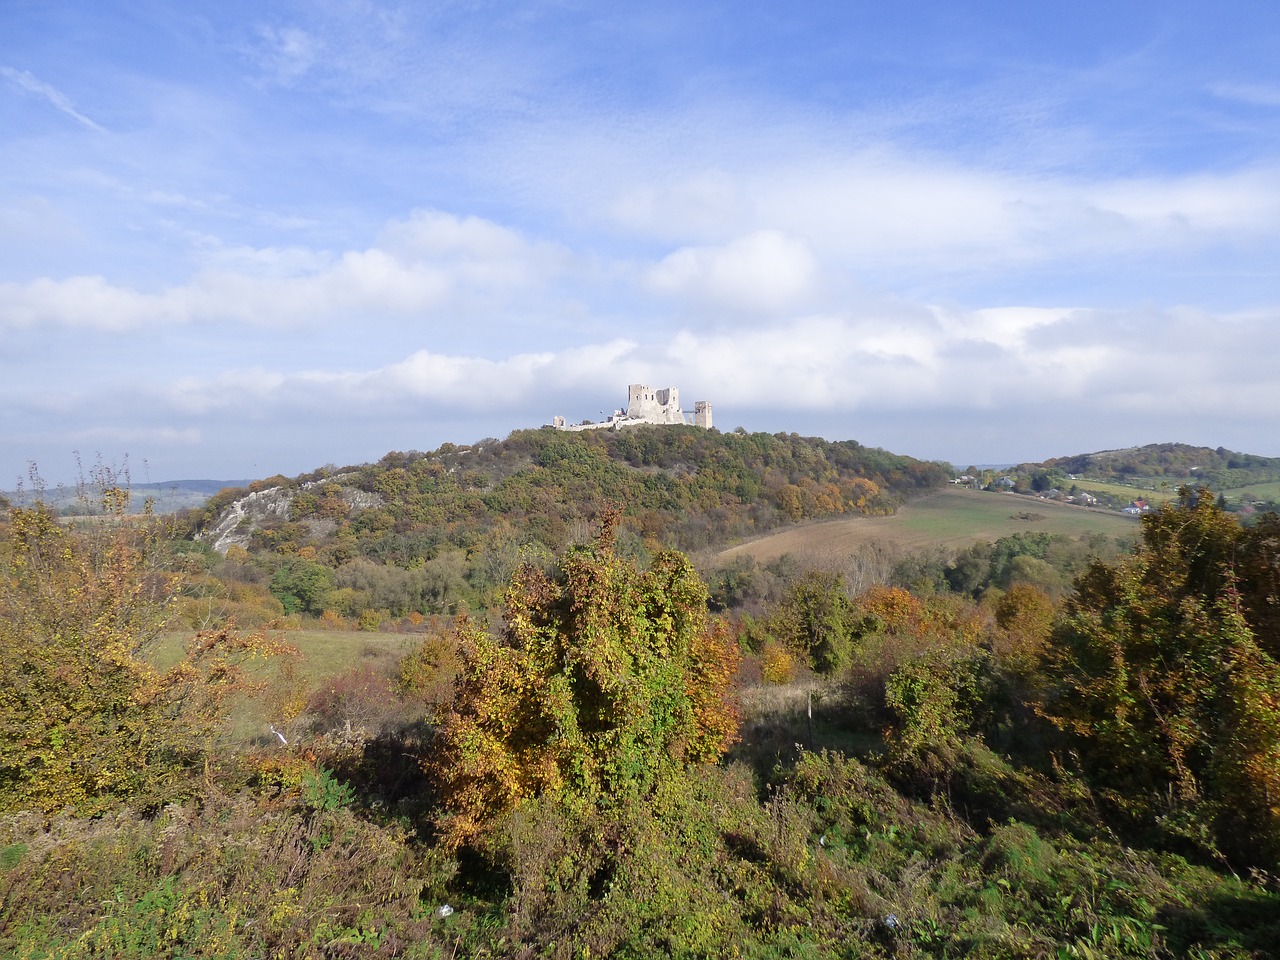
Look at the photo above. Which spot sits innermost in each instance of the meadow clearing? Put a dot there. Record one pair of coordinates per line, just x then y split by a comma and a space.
948, 518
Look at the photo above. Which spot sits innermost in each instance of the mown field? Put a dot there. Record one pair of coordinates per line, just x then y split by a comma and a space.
1148, 490
949, 518
1260, 491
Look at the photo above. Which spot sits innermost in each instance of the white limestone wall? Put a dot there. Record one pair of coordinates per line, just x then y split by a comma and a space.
646, 405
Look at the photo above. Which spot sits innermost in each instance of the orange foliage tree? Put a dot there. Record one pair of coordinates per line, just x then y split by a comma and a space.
1024, 615
605, 682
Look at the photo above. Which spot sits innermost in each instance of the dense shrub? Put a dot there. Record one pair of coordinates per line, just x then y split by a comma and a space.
1170, 697
605, 682
86, 718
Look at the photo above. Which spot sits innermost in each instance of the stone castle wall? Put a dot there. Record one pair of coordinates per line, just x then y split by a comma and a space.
647, 405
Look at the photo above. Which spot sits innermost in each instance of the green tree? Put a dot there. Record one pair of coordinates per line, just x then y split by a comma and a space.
302, 586
604, 682
931, 700
1168, 695
816, 618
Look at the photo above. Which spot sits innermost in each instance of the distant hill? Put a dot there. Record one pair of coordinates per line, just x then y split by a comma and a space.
1218, 469
1163, 468
167, 496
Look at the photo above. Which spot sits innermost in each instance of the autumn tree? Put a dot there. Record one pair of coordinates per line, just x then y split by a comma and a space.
1170, 696
86, 718
1024, 615
817, 619
604, 682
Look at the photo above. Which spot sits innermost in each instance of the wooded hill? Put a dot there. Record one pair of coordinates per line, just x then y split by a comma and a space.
462, 515
1178, 463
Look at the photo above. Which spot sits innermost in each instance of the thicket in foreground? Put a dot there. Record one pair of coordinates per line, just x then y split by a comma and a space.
1164, 673
86, 719
582, 823
605, 682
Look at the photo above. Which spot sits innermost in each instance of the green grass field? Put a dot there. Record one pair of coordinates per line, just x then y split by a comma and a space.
1260, 491
324, 653
1156, 496
328, 652
949, 518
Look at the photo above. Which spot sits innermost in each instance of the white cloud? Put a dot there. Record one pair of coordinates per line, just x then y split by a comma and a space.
428, 263
1005, 327
1174, 210
476, 252
238, 390
1084, 363
764, 271
891, 212
89, 302
449, 383
1077, 362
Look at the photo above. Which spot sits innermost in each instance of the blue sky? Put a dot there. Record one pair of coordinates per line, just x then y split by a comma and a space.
254, 238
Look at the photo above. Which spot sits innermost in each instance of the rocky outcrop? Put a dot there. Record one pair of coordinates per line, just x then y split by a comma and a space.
258, 509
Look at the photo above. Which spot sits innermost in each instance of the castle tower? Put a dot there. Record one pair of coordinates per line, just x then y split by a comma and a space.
637, 394
702, 414
648, 405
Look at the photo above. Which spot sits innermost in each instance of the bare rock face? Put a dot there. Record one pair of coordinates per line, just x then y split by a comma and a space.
245, 515
255, 510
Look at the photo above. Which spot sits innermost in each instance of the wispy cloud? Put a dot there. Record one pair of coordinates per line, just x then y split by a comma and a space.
287, 52
1257, 94
55, 97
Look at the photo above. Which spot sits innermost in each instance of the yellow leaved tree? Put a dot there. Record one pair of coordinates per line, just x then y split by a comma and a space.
606, 682
87, 719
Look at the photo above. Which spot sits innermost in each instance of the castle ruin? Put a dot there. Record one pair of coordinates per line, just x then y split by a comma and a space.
647, 405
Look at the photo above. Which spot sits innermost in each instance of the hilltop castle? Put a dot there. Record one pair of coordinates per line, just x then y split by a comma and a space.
647, 405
